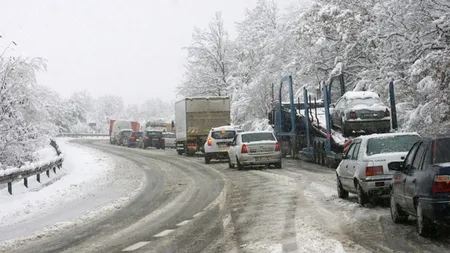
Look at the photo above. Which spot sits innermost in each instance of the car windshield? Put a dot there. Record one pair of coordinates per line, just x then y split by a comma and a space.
169, 135
136, 133
225, 134
390, 144
442, 154
252, 137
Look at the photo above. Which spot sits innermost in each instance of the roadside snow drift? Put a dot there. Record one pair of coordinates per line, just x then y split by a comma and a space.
88, 186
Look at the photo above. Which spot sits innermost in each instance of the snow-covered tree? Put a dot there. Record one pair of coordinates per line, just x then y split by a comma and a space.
208, 67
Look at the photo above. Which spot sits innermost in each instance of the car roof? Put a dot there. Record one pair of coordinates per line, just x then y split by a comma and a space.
237, 128
437, 137
253, 132
360, 94
374, 136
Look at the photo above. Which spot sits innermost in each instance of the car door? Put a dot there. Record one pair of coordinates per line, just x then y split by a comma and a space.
412, 175
355, 163
232, 149
398, 185
344, 174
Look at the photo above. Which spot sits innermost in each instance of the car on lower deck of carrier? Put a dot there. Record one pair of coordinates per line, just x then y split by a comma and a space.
217, 143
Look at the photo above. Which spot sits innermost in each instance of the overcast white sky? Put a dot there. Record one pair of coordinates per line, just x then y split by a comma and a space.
126, 48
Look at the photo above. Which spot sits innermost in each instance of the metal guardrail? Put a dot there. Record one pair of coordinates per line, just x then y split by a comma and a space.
82, 135
9, 178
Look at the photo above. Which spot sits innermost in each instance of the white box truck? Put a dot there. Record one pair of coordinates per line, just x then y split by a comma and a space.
194, 118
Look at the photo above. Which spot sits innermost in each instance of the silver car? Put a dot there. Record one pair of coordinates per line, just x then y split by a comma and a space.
254, 148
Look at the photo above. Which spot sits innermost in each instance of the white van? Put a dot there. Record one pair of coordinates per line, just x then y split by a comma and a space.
217, 143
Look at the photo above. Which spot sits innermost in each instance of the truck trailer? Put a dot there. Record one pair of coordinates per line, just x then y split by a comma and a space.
194, 118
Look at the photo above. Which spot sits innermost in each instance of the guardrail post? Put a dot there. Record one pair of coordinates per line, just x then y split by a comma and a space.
25, 181
38, 177
10, 188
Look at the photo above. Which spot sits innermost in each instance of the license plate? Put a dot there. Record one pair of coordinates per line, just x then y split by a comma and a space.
261, 158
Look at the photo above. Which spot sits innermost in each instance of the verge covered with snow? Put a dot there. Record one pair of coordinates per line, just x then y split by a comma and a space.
86, 188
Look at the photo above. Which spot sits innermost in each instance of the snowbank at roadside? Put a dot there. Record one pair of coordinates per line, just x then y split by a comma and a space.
90, 184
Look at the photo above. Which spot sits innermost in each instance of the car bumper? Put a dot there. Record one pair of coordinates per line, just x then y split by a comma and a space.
368, 125
438, 211
377, 186
263, 159
218, 154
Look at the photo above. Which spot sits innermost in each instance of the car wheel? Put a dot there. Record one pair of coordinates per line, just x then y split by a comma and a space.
207, 159
239, 165
278, 165
180, 152
424, 228
397, 215
362, 196
343, 194
230, 165
163, 147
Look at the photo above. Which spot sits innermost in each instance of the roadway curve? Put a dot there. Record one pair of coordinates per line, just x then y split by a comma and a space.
191, 207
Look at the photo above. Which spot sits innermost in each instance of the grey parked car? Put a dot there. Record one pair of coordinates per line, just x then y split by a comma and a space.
359, 111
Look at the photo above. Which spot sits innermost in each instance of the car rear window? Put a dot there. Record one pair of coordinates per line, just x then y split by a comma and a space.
154, 133
390, 144
226, 134
127, 133
169, 135
136, 133
442, 154
251, 137
363, 101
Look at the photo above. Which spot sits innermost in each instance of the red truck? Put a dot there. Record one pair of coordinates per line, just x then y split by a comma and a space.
115, 126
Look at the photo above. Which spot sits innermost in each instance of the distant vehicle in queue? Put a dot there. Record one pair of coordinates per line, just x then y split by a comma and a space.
152, 139
169, 139
217, 142
254, 149
133, 140
421, 186
369, 165
358, 111
123, 137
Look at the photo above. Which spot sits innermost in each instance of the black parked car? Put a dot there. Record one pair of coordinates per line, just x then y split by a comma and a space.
421, 186
152, 139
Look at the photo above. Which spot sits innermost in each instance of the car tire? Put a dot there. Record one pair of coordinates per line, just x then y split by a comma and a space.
163, 147
362, 196
342, 193
397, 215
230, 165
239, 165
180, 152
423, 226
278, 165
207, 159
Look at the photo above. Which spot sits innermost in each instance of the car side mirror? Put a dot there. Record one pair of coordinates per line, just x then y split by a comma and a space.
344, 157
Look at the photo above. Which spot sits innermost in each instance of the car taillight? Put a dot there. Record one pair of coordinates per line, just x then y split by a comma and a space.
209, 141
373, 171
441, 184
277, 146
132, 138
191, 145
244, 149
145, 137
352, 115
163, 138
387, 113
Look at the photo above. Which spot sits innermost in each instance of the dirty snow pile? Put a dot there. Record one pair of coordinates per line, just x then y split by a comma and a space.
87, 187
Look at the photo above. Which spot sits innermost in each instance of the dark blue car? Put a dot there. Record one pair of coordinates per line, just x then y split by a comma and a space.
421, 186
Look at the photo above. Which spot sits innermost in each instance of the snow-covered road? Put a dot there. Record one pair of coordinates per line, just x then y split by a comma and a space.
187, 206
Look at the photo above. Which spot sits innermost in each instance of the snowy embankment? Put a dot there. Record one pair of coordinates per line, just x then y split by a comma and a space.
90, 185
